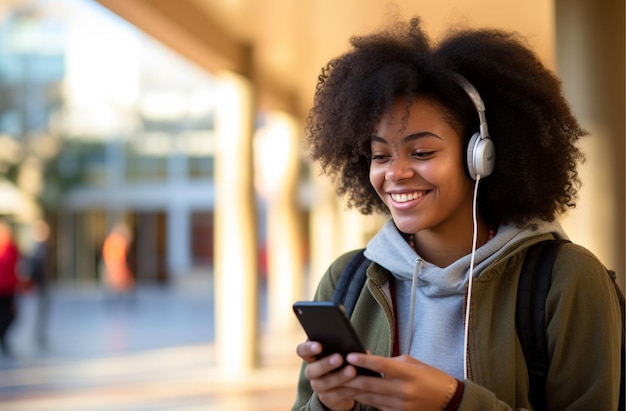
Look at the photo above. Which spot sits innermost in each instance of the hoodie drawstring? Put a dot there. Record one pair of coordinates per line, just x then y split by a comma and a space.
416, 272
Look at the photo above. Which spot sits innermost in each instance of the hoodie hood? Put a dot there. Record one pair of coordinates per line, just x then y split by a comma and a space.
389, 249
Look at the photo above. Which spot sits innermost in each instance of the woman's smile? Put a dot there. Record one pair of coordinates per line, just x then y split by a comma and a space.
406, 197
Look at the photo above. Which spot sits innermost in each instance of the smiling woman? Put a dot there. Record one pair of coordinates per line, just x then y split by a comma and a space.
395, 123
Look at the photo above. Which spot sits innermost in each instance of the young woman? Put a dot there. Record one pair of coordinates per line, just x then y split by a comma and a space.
469, 146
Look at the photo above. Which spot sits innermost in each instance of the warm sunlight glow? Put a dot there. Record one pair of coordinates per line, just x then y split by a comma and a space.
102, 76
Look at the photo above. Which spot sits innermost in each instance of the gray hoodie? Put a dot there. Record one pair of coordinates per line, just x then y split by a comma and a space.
429, 299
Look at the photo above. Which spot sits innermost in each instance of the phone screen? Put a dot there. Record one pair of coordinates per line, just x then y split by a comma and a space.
327, 323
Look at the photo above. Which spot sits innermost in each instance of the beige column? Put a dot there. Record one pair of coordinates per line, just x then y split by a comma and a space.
236, 291
277, 160
590, 51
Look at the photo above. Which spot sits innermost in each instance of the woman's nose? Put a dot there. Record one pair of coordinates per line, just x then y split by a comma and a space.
398, 169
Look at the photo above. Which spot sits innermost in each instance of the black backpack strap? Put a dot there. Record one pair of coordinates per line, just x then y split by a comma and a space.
351, 282
532, 291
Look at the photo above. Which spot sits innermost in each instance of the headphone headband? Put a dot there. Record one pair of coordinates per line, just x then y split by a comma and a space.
479, 105
481, 157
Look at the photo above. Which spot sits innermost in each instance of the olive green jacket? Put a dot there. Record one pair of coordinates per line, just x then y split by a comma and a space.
583, 332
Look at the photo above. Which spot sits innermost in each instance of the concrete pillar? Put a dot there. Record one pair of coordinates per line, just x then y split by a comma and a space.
590, 59
178, 241
277, 160
178, 229
236, 273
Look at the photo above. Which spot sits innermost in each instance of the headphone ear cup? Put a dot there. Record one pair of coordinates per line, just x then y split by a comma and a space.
481, 156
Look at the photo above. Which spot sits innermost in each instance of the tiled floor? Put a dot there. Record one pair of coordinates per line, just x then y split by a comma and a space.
155, 354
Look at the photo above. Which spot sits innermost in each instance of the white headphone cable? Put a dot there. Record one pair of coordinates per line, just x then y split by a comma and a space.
471, 276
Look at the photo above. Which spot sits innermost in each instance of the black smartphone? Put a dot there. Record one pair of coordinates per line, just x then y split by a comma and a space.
327, 323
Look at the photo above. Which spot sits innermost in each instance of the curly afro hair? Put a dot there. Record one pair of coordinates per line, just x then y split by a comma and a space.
530, 122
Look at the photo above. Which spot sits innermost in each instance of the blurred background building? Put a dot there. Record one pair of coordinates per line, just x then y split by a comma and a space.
105, 125
184, 121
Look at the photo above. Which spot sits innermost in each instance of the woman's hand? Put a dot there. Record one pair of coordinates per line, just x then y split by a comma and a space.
328, 382
408, 384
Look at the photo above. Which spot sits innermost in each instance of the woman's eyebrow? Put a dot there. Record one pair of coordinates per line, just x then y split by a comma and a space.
406, 139
378, 139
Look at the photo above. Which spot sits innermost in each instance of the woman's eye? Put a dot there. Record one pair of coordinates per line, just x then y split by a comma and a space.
423, 154
379, 157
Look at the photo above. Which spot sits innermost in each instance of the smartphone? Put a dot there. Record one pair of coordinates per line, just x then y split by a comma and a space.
327, 323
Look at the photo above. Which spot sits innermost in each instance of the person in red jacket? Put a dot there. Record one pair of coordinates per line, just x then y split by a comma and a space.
9, 282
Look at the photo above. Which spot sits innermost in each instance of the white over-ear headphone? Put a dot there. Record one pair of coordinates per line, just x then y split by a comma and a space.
481, 153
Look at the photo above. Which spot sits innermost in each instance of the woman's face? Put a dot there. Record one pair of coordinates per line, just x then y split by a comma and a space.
417, 169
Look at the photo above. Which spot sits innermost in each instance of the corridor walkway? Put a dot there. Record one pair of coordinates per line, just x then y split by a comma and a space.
154, 353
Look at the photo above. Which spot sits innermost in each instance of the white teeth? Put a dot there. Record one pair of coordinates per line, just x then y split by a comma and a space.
403, 198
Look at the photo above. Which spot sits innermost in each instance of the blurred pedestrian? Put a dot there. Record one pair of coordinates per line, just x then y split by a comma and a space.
9, 283
118, 277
